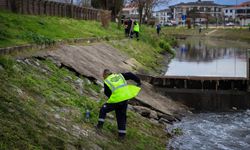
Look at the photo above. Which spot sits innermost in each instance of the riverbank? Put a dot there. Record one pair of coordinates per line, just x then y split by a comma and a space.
52, 92
45, 96
235, 34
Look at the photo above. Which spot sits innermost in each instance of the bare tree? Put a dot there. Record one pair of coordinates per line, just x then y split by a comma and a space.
114, 5
147, 6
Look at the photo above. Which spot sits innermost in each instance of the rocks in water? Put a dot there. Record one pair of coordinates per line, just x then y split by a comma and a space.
234, 108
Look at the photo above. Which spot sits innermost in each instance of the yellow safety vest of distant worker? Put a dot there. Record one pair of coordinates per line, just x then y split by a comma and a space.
121, 91
136, 27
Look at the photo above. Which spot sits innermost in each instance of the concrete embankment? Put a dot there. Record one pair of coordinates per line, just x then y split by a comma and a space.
90, 61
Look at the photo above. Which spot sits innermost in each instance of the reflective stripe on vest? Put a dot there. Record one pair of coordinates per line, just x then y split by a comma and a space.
121, 91
115, 81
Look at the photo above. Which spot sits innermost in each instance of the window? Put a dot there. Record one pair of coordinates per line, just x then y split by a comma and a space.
231, 11
240, 11
226, 11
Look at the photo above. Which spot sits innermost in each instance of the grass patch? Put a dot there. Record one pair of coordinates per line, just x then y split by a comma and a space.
149, 49
16, 29
236, 34
40, 105
239, 34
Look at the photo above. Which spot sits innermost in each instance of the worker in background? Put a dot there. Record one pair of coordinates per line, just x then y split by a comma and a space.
136, 29
129, 27
158, 28
118, 92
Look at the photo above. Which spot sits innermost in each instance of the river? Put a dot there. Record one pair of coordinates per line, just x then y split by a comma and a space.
197, 56
209, 57
213, 131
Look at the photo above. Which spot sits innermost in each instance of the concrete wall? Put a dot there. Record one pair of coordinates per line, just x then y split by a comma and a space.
204, 93
209, 100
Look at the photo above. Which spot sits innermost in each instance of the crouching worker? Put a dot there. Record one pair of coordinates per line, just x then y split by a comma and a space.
118, 92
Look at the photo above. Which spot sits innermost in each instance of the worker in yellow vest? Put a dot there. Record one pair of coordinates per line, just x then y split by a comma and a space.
136, 29
118, 92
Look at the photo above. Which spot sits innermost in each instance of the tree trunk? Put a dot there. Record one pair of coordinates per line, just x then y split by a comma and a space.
119, 20
71, 8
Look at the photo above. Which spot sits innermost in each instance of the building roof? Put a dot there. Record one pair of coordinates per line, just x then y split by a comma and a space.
131, 5
245, 4
198, 3
163, 10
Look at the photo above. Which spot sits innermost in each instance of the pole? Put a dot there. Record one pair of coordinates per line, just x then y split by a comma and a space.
236, 3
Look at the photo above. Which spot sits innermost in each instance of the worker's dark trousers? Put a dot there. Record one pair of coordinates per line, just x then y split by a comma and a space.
120, 111
136, 34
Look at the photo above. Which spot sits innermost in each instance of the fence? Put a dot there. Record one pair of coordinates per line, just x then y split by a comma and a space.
42, 7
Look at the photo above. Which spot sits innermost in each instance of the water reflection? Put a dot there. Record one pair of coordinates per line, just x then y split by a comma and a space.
207, 57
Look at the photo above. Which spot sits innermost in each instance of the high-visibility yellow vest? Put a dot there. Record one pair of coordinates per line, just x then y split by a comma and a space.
136, 27
121, 91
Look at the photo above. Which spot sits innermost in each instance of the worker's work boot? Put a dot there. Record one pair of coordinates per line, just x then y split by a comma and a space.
98, 128
121, 138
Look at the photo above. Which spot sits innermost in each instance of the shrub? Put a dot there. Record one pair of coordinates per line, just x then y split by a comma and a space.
166, 47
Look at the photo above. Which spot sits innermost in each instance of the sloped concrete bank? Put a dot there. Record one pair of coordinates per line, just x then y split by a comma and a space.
90, 61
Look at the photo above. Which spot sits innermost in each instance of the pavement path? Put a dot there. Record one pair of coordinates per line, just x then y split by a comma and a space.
211, 32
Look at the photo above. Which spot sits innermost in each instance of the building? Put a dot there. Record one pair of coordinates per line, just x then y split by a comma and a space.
163, 16
243, 13
229, 13
239, 13
181, 10
131, 11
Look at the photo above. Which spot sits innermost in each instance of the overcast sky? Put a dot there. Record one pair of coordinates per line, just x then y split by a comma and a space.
227, 2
